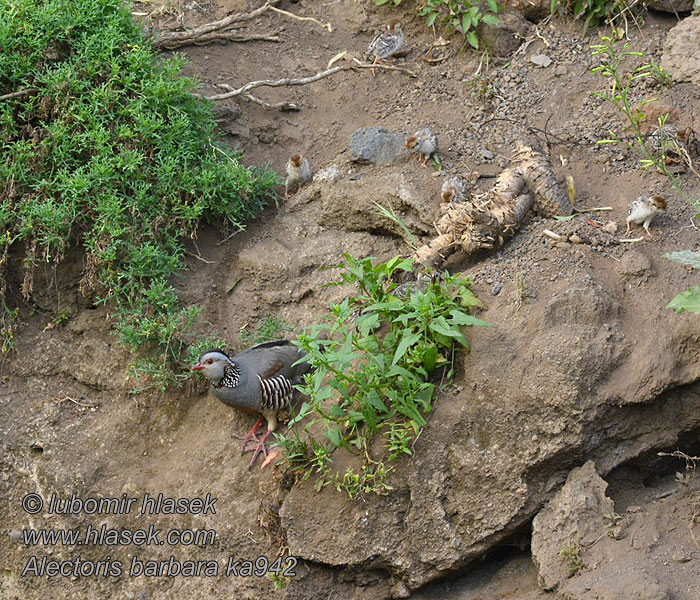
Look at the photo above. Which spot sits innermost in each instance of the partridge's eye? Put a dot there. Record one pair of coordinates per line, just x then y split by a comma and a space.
209, 361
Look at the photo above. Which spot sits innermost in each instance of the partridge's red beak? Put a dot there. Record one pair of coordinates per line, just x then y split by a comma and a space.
197, 367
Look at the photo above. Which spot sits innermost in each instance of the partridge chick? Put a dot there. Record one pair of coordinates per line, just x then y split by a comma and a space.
642, 210
258, 380
425, 142
387, 43
298, 173
454, 190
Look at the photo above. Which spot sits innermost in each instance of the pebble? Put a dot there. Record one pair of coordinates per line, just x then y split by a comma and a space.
496, 289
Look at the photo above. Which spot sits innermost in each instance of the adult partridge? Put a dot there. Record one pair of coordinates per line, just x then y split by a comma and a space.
258, 380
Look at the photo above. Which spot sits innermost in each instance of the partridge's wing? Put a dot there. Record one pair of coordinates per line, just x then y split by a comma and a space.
270, 359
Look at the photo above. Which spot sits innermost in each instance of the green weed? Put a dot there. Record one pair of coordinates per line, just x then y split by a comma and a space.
458, 15
619, 96
106, 147
572, 555
594, 12
272, 327
374, 355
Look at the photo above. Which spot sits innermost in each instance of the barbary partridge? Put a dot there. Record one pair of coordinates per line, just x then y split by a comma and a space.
298, 173
425, 142
258, 380
387, 43
642, 210
454, 189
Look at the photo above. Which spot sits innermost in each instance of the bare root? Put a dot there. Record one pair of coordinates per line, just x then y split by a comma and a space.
487, 222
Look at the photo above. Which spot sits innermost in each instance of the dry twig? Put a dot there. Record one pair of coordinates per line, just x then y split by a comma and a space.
19, 93
327, 26
289, 81
180, 38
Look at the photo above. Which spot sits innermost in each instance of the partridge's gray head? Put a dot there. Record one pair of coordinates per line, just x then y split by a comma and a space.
213, 364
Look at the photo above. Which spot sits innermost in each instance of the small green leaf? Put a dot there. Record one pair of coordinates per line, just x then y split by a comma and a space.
473, 40
334, 436
687, 301
374, 399
490, 19
431, 19
558, 218
336, 411
407, 340
461, 318
429, 357
685, 257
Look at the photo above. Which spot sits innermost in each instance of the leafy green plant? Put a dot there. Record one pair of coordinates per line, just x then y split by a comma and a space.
458, 15
462, 15
619, 96
594, 12
374, 356
105, 146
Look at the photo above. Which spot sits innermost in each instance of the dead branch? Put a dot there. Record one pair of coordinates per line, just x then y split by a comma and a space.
327, 26
223, 37
283, 106
484, 223
290, 106
191, 35
276, 83
243, 91
19, 93
536, 169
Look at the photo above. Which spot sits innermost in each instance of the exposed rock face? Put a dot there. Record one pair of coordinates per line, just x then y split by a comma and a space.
578, 376
680, 56
670, 6
571, 520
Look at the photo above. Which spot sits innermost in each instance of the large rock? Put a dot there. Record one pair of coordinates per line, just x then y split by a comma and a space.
680, 56
572, 520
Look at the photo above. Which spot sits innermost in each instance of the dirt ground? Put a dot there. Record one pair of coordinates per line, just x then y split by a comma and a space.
69, 422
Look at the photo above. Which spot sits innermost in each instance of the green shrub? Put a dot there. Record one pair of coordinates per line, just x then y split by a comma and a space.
374, 355
108, 148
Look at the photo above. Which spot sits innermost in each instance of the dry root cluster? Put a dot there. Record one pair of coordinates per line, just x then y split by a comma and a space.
487, 222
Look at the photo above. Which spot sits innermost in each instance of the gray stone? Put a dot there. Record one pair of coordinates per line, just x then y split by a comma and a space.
377, 145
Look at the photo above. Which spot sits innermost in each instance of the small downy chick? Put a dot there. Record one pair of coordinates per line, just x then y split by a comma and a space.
298, 173
387, 43
425, 142
642, 210
454, 189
